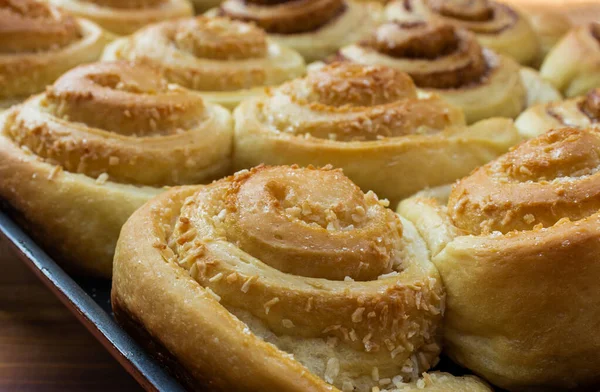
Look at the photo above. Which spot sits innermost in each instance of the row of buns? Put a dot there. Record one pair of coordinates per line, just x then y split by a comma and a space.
287, 277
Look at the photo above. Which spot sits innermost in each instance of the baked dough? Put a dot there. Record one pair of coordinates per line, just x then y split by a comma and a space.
371, 122
499, 27
126, 16
579, 11
580, 112
226, 61
38, 43
314, 28
517, 245
573, 65
281, 279
77, 160
449, 61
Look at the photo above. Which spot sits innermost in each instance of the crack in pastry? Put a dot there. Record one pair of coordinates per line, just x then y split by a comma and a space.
126, 16
516, 246
449, 61
354, 117
38, 43
315, 28
496, 26
299, 266
573, 65
80, 158
580, 112
224, 60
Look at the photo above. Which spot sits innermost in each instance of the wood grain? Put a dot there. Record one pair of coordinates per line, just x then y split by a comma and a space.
42, 346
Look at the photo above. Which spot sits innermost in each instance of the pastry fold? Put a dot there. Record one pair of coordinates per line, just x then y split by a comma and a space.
126, 16
281, 279
517, 245
226, 61
371, 122
573, 65
77, 160
38, 43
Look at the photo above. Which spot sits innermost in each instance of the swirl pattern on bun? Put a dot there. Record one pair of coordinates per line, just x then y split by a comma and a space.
126, 16
77, 160
315, 28
573, 65
497, 26
277, 261
38, 43
226, 61
370, 121
450, 62
579, 112
517, 245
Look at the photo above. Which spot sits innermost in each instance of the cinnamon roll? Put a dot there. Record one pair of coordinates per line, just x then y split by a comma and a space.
573, 65
517, 245
580, 112
38, 43
77, 160
370, 121
292, 277
449, 61
497, 26
315, 28
126, 16
226, 61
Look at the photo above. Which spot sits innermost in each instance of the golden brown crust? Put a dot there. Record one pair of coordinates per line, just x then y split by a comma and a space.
225, 60
79, 159
38, 43
315, 28
127, 16
496, 25
573, 65
240, 268
449, 61
517, 248
580, 112
370, 121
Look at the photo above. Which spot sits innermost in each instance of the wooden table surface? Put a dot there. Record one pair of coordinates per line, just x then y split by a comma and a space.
42, 346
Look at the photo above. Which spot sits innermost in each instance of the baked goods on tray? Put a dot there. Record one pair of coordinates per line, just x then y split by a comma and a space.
226, 61
314, 28
371, 122
38, 43
282, 279
126, 16
77, 160
516, 244
450, 62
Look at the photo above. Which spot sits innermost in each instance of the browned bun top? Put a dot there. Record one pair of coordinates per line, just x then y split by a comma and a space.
32, 26
354, 102
539, 183
467, 10
591, 105
123, 98
219, 38
285, 17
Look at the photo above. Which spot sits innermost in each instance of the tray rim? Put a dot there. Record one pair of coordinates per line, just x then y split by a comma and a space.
136, 361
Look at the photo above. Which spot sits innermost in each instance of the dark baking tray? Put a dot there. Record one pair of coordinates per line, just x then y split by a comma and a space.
89, 300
